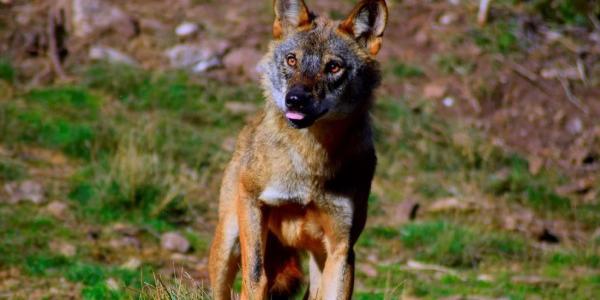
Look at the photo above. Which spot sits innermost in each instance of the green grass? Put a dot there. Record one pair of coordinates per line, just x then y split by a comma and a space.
403, 70
498, 37
11, 170
452, 245
7, 71
453, 64
147, 150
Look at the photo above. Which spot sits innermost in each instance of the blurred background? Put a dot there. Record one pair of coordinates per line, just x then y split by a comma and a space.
118, 117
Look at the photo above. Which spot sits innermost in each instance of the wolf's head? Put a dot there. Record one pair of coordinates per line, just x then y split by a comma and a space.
319, 69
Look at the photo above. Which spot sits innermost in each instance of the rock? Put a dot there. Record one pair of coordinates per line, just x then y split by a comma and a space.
111, 55
368, 270
534, 280
569, 73
448, 204
195, 57
422, 38
419, 266
434, 90
448, 18
485, 278
57, 209
94, 16
63, 248
204, 66
575, 126
28, 190
112, 284
536, 164
243, 60
125, 242
406, 211
132, 264
173, 241
186, 29
448, 102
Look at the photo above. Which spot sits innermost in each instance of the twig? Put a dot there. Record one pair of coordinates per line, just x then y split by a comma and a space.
582, 70
594, 20
419, 266
53, 45
484, 8
530, 76
570, 96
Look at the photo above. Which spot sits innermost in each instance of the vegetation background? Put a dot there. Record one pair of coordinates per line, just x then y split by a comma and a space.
117, 118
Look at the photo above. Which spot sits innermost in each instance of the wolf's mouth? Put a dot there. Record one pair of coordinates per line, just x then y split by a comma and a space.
293, 115
301, 120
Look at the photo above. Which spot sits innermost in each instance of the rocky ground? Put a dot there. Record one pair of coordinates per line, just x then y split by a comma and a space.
116, 120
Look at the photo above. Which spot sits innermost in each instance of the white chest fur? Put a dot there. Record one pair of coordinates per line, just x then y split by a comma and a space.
279, 192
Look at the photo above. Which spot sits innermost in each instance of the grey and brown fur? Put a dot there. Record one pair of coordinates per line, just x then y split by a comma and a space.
301, 173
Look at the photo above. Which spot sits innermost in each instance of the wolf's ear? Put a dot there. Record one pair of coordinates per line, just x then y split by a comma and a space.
366, 24
290, 15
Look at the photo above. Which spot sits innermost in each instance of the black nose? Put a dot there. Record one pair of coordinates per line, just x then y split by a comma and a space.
297, 97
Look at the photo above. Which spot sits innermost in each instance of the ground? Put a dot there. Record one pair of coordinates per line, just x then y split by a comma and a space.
488, 141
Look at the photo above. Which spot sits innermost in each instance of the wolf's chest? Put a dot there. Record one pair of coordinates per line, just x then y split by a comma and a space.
280, 191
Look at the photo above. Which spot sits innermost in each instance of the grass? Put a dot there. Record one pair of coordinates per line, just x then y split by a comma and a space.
148, 151
403, 70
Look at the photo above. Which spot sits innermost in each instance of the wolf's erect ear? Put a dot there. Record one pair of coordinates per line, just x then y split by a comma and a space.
290, 15
367, 23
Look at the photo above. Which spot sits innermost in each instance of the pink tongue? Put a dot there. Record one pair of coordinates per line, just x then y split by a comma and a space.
294, 115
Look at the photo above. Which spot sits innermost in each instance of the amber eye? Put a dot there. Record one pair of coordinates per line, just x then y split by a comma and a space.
334, 67
291, 60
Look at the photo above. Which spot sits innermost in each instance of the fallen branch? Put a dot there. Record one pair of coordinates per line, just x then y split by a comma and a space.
419, 266
570, 96
530, 76
484, 8
53, 51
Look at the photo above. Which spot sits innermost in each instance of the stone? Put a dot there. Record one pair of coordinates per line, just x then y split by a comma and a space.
575, 126
196, 57
94, 16
175, 242
63, 248
57, 209
448, 204
111, 55
28, 190
112, 284
406, 211
368, 270
132, 264
434, 90
243, 60
186, 29
448, 18
448, 102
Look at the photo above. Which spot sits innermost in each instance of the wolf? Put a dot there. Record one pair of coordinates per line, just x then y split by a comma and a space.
301, 173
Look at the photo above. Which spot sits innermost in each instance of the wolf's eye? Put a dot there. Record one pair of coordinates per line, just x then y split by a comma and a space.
291, 60
333, 67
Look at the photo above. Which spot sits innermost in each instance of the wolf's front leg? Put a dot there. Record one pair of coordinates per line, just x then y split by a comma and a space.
224, 256
253, 236
337, 281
